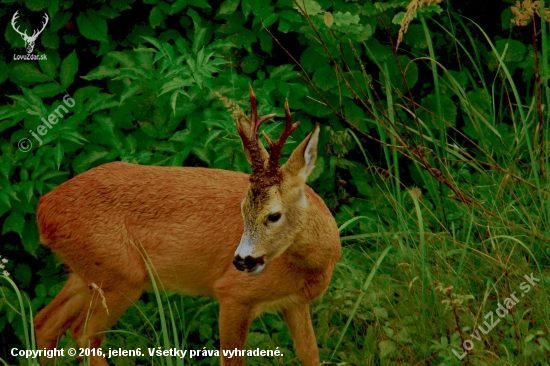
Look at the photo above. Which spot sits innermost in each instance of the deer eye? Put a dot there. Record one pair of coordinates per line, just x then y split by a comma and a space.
274, 217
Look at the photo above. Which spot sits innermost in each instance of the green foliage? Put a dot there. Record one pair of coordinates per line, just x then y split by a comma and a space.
455, 116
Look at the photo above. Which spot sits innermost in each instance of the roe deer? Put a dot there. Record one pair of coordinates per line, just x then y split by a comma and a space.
256, 242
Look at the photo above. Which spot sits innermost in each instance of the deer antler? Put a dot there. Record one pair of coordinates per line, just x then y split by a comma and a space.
24, 35
276, 147
44, 24
250, 139
29, 40
253, 146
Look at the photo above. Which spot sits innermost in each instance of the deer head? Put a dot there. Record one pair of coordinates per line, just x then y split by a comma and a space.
275, 207
29, 41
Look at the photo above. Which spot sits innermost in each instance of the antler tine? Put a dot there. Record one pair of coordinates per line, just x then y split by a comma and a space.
16, 28
44, 24
255, 120
251, 143
277, 146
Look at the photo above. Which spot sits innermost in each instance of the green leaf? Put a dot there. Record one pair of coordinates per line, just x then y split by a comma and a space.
448, 108
28, 190
386, 348
14, 222
174, 99
27, 71
156, 18
228, 6
201, 153
311, 7
129, 91
284, 27
200, 4
109, 13
213, 135
49, 39
415, 37
395, 76
3, 71
101, 72
73, 136
247, 6
284, 72
41, 291
123, 58
318, 170
53, 7
69, 67
47, 90
398, 18
250, 63
8, 111
343, 19
266, 41
313, 58
205, 332
514, 51
100, 102
59, 21
270, 19
131, 143
106, 124
35, 5
96, 155
31, 238
92, 26
200, 39
58, 153
23, 274
182, 136
176, 83
178, 6
325, 78
52, 174
47, 66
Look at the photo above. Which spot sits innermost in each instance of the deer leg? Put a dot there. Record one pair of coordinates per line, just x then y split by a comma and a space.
52, 321
299, 324
235, 320
105, 309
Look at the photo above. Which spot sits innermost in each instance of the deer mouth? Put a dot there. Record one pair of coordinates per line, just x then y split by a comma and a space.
257, 269
249, 264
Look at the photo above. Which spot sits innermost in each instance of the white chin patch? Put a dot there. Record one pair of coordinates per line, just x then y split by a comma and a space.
257, 269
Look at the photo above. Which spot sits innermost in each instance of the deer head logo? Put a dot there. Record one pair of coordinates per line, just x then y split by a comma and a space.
29, 40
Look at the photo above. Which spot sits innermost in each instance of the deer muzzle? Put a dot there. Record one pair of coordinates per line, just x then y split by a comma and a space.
249, 264
247, 259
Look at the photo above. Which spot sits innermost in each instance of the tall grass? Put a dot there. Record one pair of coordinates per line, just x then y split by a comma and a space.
18, 305
462, 241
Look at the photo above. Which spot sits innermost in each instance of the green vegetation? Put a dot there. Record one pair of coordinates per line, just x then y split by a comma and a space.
434, 157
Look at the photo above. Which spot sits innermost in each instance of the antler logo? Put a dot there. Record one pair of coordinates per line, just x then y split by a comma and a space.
29, 41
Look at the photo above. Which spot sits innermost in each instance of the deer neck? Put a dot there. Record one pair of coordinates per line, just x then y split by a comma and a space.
314, 246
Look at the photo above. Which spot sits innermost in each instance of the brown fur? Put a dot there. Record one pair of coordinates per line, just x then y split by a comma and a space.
188, 223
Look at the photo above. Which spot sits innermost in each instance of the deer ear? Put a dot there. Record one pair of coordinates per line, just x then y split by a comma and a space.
302, 160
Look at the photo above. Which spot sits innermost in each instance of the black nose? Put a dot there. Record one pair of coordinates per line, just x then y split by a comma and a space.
248, 264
